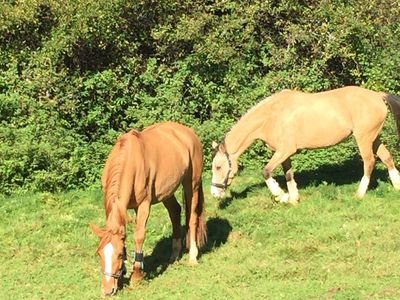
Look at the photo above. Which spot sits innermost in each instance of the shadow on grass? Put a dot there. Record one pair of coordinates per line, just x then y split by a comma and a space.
226, 201
218, 230
348, 173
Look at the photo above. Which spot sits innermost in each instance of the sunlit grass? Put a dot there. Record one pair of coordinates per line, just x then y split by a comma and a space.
329, 246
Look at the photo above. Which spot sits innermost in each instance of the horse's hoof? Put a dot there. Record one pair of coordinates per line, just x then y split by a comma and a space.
173, 259
294, 199
359, 195
136, 280
284, 198
136, 276
193, 262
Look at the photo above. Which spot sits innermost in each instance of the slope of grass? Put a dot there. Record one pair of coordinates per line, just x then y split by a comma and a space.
329, 246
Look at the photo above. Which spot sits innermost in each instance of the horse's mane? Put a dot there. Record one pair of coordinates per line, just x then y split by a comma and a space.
257, 106
115, 212
116, 217
250, 111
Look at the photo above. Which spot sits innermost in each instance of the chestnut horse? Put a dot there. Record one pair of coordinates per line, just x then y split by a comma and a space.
291, 120
145, 168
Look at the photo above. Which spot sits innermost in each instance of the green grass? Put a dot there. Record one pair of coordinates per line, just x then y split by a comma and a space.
330, 246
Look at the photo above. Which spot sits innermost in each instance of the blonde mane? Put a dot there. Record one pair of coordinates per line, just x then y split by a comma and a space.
250, 111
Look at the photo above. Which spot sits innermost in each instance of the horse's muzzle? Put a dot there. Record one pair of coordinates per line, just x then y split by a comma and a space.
110, 293
218, 190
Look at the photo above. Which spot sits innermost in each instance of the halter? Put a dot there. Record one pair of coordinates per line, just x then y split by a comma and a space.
225, 183
117, 275
121, 271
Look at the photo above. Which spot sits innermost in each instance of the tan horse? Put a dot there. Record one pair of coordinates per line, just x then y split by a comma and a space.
293, 120
145, 168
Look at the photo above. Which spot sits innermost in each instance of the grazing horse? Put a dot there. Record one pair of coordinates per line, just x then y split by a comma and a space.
145, 168
291, 120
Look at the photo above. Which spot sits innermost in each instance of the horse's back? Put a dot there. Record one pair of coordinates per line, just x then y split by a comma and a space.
174, 136
173, 153
348, 94
363, 107
308, 117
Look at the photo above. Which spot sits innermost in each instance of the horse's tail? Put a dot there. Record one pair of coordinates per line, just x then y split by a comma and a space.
201, 234
394, 104
201, 227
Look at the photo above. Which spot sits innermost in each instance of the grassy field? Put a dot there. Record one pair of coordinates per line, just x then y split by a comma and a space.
330, 246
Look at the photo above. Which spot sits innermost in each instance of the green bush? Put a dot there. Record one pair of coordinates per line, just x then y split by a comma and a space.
76, 74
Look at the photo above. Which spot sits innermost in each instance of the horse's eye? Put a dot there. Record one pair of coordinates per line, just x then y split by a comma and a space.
218, 168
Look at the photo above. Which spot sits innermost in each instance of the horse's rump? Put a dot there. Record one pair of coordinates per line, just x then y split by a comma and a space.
174, 152
394, 104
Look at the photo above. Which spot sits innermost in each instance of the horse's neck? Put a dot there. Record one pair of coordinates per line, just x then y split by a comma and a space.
243, 134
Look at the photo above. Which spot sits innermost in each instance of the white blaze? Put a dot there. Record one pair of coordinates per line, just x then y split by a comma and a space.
108, 253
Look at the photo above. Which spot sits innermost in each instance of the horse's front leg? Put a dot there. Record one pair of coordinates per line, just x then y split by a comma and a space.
142, 214
276, 159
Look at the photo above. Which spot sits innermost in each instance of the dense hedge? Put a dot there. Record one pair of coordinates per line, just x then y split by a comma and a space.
75, 74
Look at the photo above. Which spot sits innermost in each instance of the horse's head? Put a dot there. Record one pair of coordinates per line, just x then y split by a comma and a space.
224, 168
112, 255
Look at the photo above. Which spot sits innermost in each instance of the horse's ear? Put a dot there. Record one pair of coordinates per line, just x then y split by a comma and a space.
214, 145
221, 147
97, 231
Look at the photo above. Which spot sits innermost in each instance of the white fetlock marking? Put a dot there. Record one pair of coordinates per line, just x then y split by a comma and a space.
293, 191
294, 198
108, 251
274, 187
193, 251
362, 188
395, 178
284, 198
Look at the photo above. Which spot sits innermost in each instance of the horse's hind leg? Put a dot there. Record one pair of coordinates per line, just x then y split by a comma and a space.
174, 211
191, 200
142, 214
276, 159
367, 155
291, 183
387, 159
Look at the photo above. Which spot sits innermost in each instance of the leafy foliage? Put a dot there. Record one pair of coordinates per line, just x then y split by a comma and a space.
76, 74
